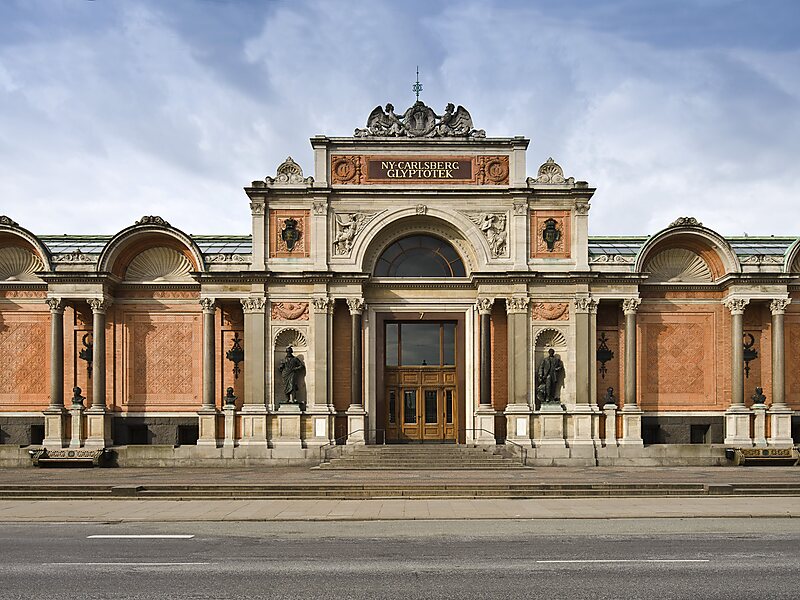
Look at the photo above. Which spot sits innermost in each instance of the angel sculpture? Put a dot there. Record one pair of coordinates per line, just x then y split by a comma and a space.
347, 229
494, 228
382, 124
458, 123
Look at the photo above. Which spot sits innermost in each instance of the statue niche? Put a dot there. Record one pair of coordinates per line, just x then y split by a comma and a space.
550, 348
289, 354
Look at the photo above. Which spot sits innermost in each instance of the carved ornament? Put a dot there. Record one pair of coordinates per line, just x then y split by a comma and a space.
492, 170
226, 258
56, 304
778, 306
517, 305
347, 169
422, 209
356, 305
348, 227
550, 311
255, 304
631, 305
319, 208
4, 220
72, 257
686, 222
493, 227
736, 305
152, 220
551, 173
420, 121
208, 305
99, 305
289, 172
256, 208
612, 258
520, 208
484, 305
585, 304
289, 311
322, 304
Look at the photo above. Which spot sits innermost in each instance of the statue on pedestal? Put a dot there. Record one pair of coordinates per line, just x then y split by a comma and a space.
290, 369
547, 378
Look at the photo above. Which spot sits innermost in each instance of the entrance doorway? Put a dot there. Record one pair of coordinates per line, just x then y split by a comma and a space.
421, 391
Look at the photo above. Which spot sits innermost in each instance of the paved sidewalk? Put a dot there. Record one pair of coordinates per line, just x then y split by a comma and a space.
369, 510
293, 475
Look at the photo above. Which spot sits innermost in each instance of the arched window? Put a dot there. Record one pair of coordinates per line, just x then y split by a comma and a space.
420, 256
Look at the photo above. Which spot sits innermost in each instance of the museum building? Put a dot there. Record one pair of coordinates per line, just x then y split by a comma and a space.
419, 286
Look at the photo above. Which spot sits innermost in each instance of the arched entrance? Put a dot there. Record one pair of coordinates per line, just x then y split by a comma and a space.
420, 354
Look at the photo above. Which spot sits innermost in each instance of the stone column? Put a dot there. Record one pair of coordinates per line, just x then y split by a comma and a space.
631, 413
98, 419
485, 413
254, 407
780, 414
580, 437
55, 435
518, 411
76, 411
320, 408
207, 415
737, 417
356, 415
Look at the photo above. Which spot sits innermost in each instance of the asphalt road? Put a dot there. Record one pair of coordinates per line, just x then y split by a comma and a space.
552, 559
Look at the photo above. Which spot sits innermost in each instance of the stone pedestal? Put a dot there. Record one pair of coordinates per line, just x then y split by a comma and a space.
551, 426
98, 428
780, 427
582, 416
484, 426
321, 428
737, 426
78, 434
610, 411
356, 424
55, 424
518, 424
759, 425
287, 440
631, 426
254, 425
229, 440
207, 421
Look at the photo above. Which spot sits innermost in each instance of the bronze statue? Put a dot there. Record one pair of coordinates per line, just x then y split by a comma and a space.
290, 369
759, 397
547, 376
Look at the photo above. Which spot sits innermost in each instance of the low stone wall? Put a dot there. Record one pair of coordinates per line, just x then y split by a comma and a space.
209, 456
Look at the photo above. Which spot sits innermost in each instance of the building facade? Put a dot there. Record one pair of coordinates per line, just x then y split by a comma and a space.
420, 278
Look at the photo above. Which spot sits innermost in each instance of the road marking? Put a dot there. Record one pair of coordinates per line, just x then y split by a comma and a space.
123, 564
629, 560
141, 537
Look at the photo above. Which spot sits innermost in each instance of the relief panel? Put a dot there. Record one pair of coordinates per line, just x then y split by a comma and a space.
560, 241
24, 360
280, 243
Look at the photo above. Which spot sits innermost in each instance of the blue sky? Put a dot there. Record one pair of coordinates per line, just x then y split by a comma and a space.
112, 109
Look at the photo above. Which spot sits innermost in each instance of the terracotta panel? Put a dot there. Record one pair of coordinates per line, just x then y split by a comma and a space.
562, 247
341, 359
277, 247
24, 360
499, 340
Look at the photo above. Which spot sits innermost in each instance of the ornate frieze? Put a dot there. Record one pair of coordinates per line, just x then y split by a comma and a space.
420, 121
152, 220
551, 173
289, 311
253, 304
612, 258
348, 227
762, 259
77, 256
550, 311
289, 172
493, 226
227, 258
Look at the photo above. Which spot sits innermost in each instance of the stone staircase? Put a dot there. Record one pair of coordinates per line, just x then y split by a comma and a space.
416, 457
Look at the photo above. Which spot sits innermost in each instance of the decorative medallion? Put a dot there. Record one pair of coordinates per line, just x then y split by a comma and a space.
420, 121
289, 311
346, 169
290, 234
551, 234
550, 311
492, 170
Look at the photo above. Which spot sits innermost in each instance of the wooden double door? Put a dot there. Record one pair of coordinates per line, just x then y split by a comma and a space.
421, 403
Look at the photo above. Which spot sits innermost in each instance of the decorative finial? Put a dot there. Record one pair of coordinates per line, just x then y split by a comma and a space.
417, 87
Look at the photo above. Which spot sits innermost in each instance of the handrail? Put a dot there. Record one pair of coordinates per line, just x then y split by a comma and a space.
523, 449
323, 450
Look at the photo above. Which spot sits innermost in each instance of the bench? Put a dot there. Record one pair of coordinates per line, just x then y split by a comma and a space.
763, 456
43, 457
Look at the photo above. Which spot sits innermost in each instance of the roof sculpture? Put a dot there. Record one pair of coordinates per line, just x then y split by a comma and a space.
420, 121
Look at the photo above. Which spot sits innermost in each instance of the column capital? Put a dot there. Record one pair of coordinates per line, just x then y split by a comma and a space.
517, 305
778, 305
322, 304
257, 208
56, 305
736, 305
208, 304
99, 305
254, 304
630, 306
585, 304
356, 305
484, 305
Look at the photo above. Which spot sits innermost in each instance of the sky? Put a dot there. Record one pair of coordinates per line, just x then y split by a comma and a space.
114, 109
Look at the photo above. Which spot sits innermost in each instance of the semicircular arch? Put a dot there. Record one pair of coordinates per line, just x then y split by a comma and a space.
129, 243
792, 258
14, 236
714, 251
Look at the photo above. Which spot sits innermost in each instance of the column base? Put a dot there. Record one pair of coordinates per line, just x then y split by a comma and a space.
780, 421
737, 427
55, 428
98, 428
484, 434
631, 426
518, 424
551, 426
207, 421
356, 425
255, 430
